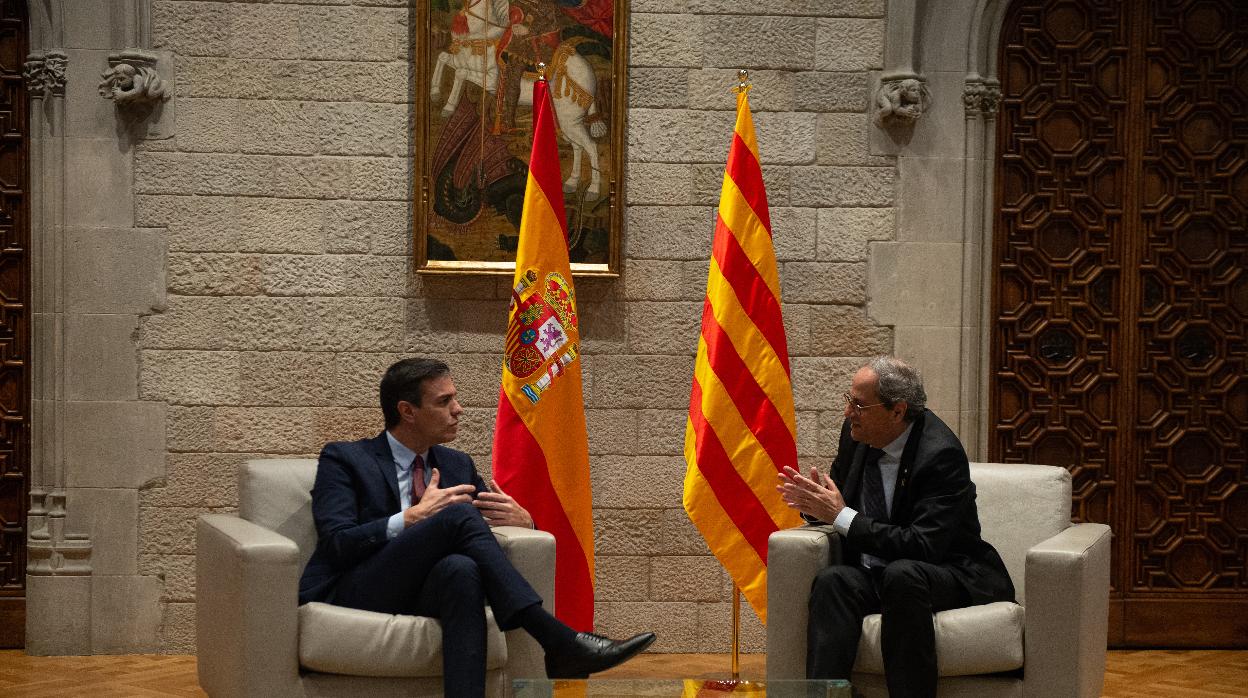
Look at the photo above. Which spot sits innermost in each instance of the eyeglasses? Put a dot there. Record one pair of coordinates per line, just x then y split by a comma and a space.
855, 406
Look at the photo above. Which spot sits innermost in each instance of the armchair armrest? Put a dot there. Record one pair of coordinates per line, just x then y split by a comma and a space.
247, 595
794, 557
1067, 612
532, 553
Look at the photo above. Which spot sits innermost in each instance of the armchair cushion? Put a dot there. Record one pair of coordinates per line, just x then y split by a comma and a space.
976, 640
339, 640
277, 494
1020, 506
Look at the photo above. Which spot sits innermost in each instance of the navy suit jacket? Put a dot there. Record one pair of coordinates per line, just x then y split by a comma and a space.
933, 518
355, 494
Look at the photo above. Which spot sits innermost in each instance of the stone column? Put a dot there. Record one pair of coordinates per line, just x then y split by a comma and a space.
95, 445
979, 98
58, 582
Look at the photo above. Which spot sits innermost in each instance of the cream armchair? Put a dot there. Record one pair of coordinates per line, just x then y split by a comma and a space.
253, 638
1051, 643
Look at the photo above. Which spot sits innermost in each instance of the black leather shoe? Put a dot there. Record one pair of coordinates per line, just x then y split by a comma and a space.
592, 653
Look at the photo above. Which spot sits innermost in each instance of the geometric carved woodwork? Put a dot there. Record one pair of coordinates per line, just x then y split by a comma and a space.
14, 317
1120, 343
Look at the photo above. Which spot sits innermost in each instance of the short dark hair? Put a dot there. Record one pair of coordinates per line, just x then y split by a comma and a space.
898, 381
405, 381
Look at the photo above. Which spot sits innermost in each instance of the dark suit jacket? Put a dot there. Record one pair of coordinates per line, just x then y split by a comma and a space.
933, 517
356, 492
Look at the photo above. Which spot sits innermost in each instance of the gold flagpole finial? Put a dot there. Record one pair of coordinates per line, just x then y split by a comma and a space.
743, 81
541, 71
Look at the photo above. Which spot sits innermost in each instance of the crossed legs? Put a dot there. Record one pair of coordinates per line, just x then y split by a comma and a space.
906, 593
445, 567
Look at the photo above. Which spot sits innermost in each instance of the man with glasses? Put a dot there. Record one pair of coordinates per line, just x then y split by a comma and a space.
901, 497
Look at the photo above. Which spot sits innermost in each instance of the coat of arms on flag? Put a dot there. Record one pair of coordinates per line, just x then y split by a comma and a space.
543, 318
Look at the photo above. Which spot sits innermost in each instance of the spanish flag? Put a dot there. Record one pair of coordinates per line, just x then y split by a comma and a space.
541, 453
741, 428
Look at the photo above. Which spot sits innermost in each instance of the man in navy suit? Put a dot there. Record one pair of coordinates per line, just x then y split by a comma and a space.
403, 526
901, 497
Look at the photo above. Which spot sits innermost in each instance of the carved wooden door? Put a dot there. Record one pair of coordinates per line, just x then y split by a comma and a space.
1120, 345
14, 324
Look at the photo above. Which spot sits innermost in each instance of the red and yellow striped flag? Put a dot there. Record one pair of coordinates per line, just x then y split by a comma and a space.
741, 428
541, 453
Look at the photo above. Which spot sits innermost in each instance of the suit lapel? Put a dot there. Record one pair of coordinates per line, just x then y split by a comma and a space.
435, 462
901, 490
385, 465
853, 479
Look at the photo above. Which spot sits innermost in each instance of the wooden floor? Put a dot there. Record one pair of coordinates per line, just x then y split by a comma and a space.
1129, 673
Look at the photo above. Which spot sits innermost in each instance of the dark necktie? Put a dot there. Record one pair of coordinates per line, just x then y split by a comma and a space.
418, 479
873, 504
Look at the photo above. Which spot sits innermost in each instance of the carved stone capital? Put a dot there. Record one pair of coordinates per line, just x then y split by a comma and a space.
32, 74
132, 82
55, 65
44, 73
981, 97
901, 101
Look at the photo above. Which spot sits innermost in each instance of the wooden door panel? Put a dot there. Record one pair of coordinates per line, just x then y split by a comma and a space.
14, 324
1190, 426
1121, 292
1056, 348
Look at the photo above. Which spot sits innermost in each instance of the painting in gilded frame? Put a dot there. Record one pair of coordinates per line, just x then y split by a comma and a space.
475, 66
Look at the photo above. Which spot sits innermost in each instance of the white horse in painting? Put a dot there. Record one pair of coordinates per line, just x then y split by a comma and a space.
572, 91
471, 55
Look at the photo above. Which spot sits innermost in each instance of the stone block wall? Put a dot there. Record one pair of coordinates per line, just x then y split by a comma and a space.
284, 203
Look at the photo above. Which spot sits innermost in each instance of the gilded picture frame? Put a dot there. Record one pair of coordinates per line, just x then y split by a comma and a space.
475, 63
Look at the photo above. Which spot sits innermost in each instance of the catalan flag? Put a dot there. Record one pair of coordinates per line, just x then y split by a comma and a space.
541, 453
741, 428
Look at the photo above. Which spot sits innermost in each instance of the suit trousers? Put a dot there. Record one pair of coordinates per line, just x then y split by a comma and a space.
906, 593
444, 567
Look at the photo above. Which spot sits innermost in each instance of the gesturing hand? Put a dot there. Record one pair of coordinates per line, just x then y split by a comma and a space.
815, 496
436, 499
499, 509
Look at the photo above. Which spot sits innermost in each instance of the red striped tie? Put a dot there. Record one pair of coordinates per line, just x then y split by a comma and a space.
418, 479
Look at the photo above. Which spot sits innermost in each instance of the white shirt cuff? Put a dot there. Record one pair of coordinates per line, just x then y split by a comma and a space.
394, 526
843, 520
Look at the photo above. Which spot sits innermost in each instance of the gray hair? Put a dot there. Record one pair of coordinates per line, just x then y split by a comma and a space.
898, 381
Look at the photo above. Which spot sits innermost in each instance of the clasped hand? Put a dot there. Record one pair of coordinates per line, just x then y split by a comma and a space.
816, 496
496, 506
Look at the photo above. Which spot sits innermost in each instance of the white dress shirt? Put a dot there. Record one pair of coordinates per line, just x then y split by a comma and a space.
890, 463
403, 459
